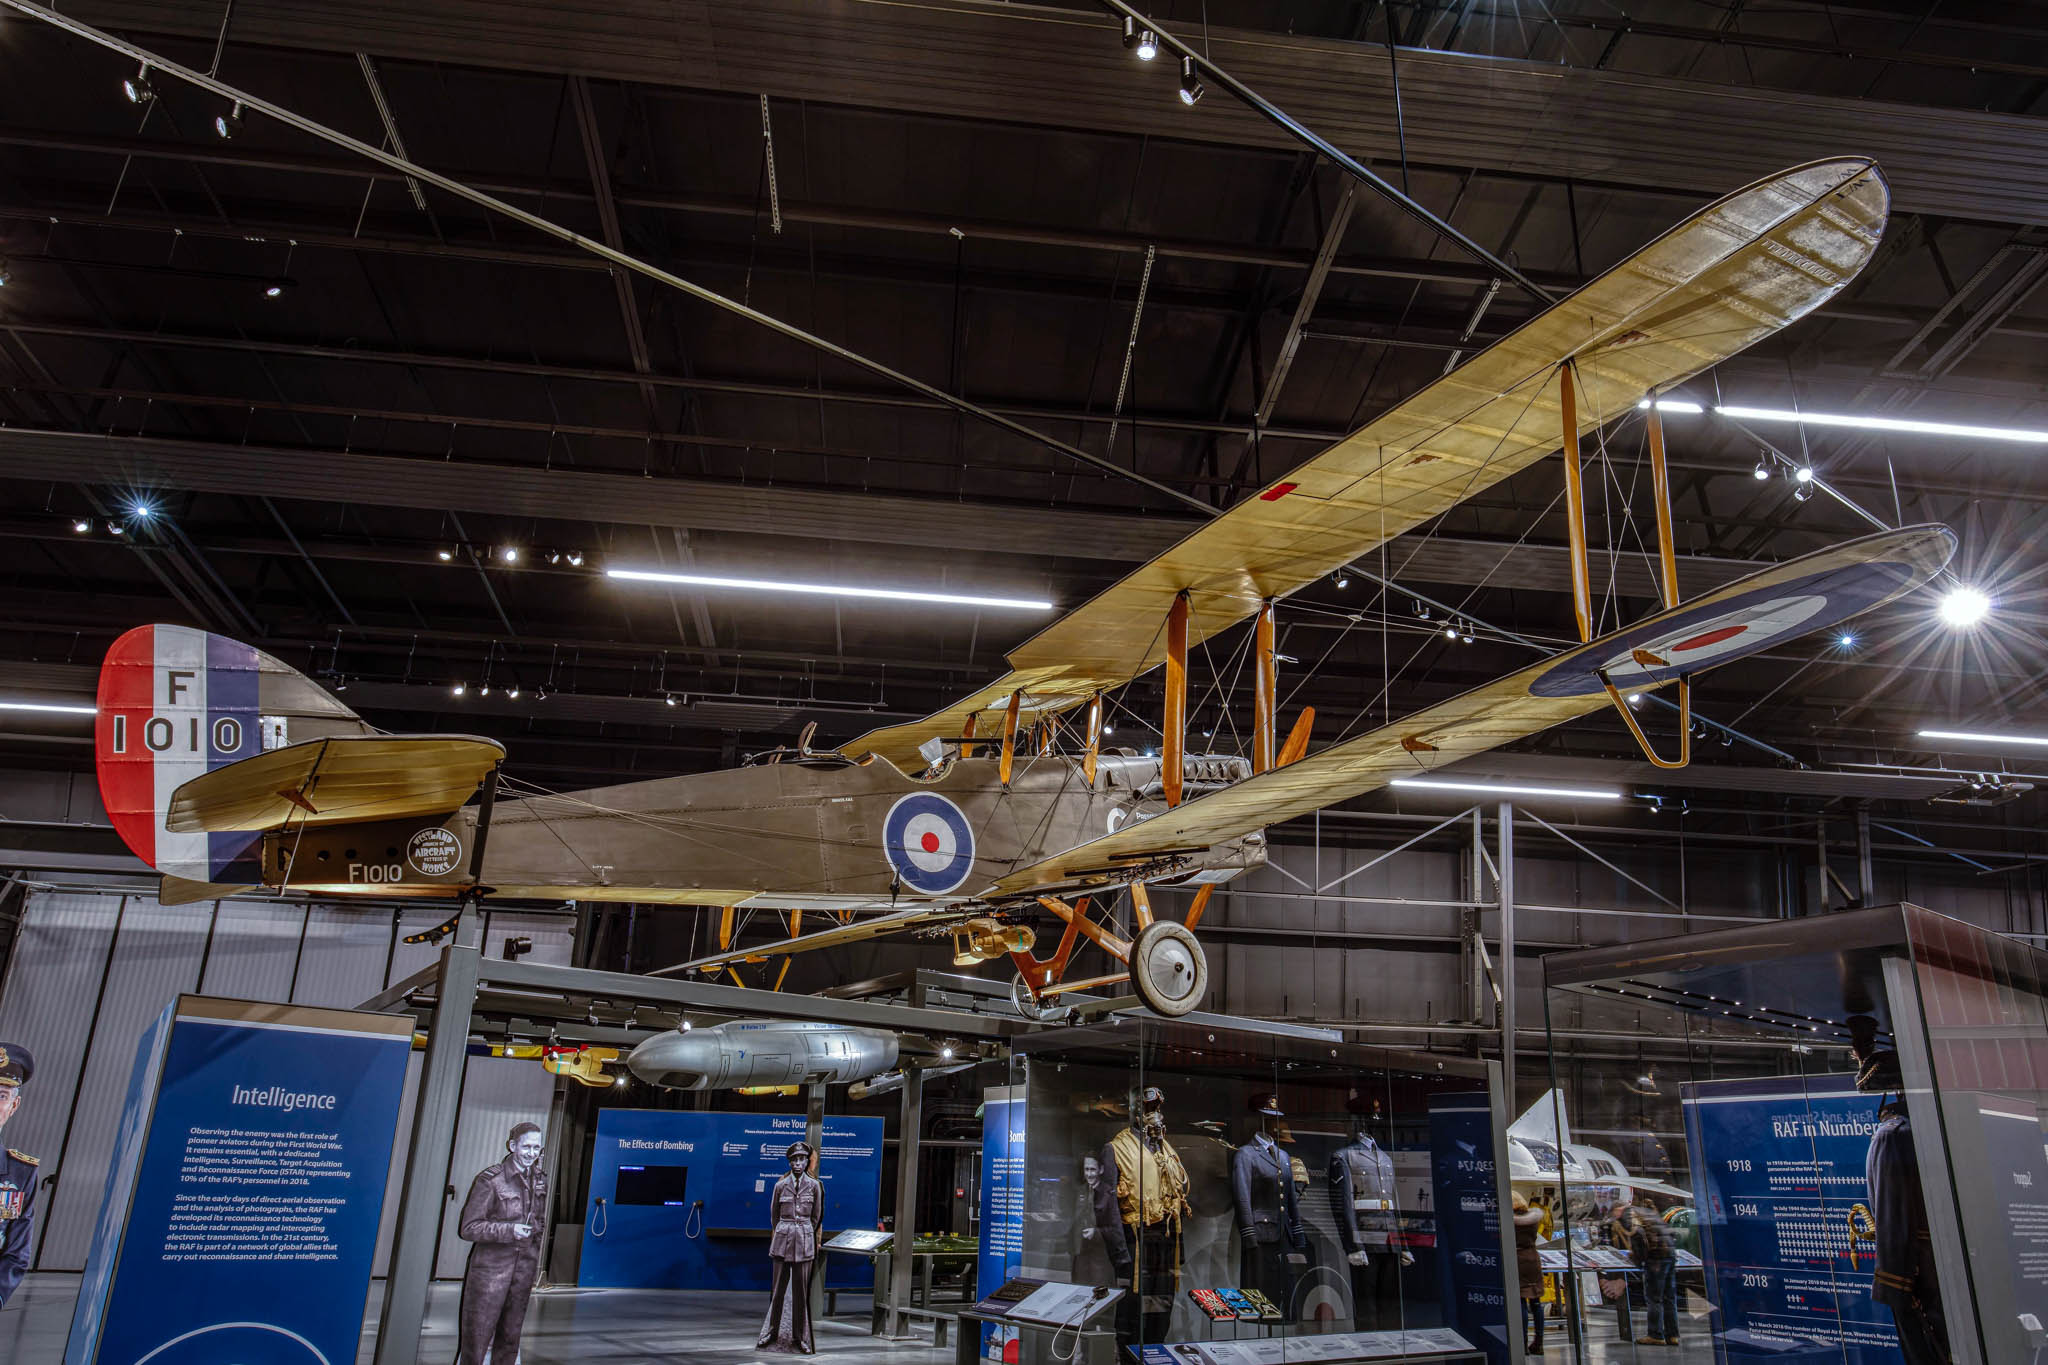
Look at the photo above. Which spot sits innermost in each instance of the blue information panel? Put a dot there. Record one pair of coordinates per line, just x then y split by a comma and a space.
1002, 1205
1468, 1221
247, 1230
686, 1197
1777, 1166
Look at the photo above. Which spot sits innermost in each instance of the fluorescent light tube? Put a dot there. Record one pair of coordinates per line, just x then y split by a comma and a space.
51, 707
1842, 419
1508, 789
693, 580
1672, 405
2032, 741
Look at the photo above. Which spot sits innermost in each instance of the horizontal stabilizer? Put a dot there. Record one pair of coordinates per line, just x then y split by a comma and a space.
336, 781
179, 891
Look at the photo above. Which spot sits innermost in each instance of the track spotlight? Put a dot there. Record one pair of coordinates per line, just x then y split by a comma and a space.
575, 559
1109, 727
341, 684
1845, 641
540, 694
484, 691
1451, 631
1422, 611
1190, 83
459, 689
1964, 607
81, 526
669, 699
115, 528
1804, 473
227, 125
142, 511
1762, 470
137, 87
513, 693
276, 289
509, 553
1465, 637
1342, 578
1802, 492
1148, 45
554, 556
1635, 699
444, 554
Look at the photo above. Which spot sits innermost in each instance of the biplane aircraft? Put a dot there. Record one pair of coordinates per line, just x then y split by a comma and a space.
225, 769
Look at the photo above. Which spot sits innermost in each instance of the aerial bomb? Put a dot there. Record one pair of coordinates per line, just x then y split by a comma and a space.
757, 1052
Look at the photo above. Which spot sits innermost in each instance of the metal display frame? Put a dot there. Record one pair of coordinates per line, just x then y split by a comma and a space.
464, 990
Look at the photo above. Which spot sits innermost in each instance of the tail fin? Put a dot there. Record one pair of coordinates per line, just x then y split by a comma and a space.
175, 703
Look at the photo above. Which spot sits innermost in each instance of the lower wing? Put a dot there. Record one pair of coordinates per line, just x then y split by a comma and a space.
1754, 613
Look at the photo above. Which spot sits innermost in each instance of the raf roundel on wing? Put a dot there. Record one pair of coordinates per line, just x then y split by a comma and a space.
929, 843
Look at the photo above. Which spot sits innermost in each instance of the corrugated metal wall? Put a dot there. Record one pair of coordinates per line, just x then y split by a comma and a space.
91, 970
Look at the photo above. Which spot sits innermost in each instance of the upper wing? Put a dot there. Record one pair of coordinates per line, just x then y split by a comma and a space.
334, 781
1728, 276
1779, 603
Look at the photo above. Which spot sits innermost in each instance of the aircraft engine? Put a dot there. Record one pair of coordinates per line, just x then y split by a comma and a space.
981, 940
763, 1052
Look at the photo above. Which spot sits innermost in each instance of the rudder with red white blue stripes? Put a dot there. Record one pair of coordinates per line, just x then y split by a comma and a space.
175, 703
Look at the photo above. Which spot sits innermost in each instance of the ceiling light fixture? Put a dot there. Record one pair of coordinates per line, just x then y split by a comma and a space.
1148, 45
484, 691
1762, 470
459, 689
1804, 473
670, 699
49, 707
115, 528
1977, 737
137, 87
1342, 578
1451, 631
227, 125
1905, 424
444, 555
142, 511
1509, 789
1845, 641
1802, 492
81, 526
1964, 607
1190, 83
277, 289
576, 559
1672, 405
510, 554
513, 693
827, 589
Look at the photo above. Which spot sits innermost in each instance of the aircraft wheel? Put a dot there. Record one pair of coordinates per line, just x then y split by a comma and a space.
1034, 1009
1168, 969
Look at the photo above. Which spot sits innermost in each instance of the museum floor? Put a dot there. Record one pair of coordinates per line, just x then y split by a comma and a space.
668, 1327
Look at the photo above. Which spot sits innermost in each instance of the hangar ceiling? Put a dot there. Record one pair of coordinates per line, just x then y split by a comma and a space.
998, 200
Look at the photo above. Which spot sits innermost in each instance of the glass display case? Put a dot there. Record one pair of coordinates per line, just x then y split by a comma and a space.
1812, 1140
1269, 1196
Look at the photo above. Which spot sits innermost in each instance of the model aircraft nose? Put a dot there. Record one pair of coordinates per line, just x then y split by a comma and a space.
680, 1061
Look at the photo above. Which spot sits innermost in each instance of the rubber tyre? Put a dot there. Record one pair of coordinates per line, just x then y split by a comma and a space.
1168, 969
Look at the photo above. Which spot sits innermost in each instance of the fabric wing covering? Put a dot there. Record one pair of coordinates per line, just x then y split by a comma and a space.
1735, 272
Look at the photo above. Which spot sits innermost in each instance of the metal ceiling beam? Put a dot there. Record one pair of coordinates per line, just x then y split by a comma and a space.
583, 496
985, 60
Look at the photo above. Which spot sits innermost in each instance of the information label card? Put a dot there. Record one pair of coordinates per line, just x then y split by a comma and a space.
240, 1217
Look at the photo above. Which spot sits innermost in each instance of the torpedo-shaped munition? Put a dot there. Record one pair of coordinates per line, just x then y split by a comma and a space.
763, 1052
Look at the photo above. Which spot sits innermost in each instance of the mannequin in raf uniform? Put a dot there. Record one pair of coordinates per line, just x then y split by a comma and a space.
1906, 1278
502, 1216
796, 1213
1274, 1244
1362, 1195
17, 1176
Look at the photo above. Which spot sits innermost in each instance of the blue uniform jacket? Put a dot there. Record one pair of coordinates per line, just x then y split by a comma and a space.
17, 1216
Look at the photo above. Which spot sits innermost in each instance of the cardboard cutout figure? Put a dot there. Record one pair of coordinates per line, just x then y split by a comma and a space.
502, 1216
17, 1175
796, 1213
